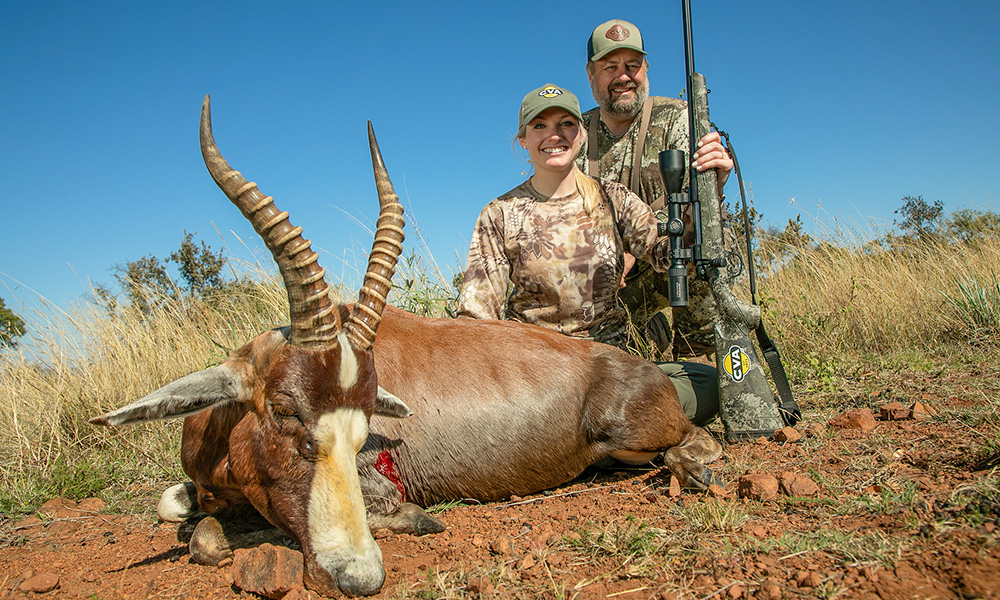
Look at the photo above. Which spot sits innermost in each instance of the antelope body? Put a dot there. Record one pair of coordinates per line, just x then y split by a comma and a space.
329, 430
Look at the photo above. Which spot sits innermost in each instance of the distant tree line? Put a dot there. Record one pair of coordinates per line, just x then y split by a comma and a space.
12, 327
918, 222
146, 284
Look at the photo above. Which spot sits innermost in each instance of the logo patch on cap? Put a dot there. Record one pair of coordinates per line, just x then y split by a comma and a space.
550, 92
617, 33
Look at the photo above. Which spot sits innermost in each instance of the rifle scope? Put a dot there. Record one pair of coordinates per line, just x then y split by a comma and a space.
672, 168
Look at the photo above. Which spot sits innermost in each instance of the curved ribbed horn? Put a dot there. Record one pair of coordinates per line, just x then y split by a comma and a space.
314, 320
386, 249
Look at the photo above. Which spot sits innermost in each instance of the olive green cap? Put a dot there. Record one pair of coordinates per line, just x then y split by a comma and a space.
545, 97
611, 36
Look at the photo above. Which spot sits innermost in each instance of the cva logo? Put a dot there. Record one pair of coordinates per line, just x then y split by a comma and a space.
736, 363
550, 92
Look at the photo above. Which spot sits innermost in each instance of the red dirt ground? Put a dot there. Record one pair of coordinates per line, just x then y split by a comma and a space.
906, 510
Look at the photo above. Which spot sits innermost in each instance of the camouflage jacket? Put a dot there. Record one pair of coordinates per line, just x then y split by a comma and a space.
668, 130
542, 260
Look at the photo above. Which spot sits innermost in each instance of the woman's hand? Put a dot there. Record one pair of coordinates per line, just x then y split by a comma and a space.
711, 154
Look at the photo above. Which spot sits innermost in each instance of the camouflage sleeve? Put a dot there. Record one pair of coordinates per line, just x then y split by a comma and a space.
637, 226
487, 270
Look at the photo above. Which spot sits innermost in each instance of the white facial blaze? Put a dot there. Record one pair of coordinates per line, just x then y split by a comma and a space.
338, 525
348, 363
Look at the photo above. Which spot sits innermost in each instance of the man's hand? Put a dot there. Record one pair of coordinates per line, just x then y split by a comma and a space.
711, 154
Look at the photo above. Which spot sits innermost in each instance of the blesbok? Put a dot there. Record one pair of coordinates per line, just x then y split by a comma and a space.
285, 424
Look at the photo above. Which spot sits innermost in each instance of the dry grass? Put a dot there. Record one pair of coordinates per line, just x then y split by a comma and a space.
835, 309
838, 305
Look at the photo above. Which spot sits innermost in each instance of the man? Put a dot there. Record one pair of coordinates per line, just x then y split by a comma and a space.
626, 132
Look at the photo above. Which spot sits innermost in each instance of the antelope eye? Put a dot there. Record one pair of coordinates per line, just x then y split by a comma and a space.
282, 411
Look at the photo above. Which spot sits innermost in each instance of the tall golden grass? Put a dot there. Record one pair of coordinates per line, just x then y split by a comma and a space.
883, 298
828, 302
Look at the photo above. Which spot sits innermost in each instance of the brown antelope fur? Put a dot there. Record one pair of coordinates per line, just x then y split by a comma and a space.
293, 424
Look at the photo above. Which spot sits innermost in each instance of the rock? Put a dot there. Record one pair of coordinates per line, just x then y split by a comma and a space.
502, 546
757, 531
717, 491
894, 411
787, 434
758, 486
527, 562
675, 487
796, 484
814, 430
41, 583
479, 585
808, 579
922, 412
383, 533
268, 570
861, 418
736, 591
769, 590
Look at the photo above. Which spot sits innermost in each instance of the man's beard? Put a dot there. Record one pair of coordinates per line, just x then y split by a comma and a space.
622, 107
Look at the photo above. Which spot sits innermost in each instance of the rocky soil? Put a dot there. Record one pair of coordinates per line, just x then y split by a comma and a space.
875, 499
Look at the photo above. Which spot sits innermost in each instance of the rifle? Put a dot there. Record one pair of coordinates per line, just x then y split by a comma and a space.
747, 406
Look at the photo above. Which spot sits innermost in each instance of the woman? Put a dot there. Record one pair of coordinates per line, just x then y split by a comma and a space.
552, 251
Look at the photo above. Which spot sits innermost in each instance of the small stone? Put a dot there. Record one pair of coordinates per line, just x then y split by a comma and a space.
675, 487
737, 591
787, 434
41, 583
769, 590
814, 430
757, 531
717, 491
861, 418
527, 562
757, 486
383, 533
796, 484
894, 411
807, 579
479, 585
267, 570
922, 412
502, 546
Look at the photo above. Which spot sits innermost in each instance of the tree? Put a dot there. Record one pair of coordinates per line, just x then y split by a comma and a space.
920, 219
146, 283
12, 327
200, 268
969, 224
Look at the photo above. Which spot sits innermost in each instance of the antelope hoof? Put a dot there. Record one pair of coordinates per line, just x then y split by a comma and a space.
423, 523
208, 545
708, 477
407, 518
178, 503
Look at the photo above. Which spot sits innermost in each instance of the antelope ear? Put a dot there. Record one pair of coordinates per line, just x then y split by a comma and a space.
388, 405
186, 396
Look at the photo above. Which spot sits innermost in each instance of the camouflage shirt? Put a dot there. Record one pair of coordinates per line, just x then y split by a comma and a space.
668, 130
542, 260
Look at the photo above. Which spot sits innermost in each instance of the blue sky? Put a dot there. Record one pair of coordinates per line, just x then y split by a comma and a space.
836, 109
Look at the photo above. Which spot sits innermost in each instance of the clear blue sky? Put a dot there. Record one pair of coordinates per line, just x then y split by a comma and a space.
836, 109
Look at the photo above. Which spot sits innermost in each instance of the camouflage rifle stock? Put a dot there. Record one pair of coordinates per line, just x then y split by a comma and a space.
747, 405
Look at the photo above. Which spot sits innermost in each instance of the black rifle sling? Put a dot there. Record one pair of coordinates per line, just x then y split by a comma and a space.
787, 407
